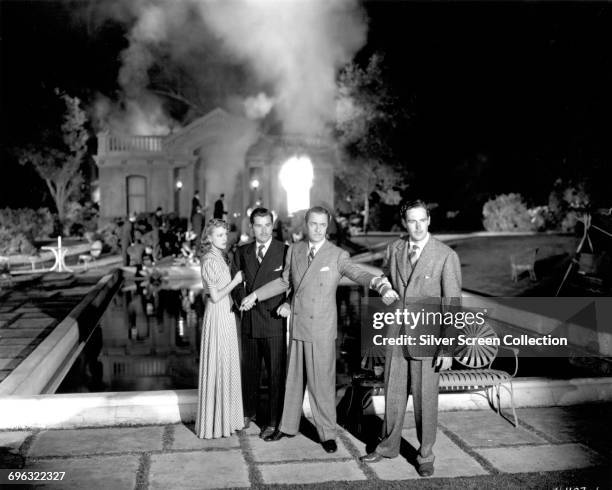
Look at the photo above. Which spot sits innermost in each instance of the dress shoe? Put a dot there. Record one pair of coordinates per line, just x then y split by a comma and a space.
277, 435
266, 432
247, 422
426, 469
330, 446
371, 458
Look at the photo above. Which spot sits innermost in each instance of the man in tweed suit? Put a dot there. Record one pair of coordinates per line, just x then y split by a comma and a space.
421, 269
313, 269
263, 330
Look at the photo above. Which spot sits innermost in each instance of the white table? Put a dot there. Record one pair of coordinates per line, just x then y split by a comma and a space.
59, 253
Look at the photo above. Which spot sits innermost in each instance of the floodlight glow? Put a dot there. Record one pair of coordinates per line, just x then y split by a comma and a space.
296, 178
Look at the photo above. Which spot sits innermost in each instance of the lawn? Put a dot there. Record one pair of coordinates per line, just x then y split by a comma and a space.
485, 263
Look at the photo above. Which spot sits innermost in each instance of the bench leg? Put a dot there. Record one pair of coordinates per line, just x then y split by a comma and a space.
511, 393
512, 402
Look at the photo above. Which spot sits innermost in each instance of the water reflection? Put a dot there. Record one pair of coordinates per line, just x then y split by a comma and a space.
149, 338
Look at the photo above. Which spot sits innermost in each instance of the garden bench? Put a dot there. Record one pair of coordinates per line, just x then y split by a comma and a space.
478, 376
523, 261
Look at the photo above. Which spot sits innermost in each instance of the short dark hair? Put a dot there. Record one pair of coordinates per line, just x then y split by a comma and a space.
222, 195
261, 212
417, 203
318, 210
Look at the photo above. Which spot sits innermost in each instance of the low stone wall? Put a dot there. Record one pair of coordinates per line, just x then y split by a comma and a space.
176, 406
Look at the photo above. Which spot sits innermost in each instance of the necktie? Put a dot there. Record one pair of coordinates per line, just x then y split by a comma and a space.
412, 256
260, 254
311, 255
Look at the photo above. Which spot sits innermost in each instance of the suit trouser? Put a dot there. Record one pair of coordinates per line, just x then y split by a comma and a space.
273, 351
319, 359
404, 376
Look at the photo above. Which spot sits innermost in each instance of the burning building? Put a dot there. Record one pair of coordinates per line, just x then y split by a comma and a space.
217, 153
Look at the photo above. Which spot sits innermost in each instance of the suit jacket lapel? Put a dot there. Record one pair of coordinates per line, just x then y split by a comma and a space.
300, 261
266, 263
402, 263
251, 260
315, 262
424, 258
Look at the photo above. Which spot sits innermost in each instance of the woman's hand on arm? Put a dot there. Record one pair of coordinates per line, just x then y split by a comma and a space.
217, 294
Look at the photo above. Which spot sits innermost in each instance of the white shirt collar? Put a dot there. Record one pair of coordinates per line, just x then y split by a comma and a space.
266, 246
420, 244
317, 246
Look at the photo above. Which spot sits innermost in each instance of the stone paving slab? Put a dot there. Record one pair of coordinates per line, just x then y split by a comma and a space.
15, 351
253, 430
18, 341
13, 439
198, 470
26, 333
9, 363
5, 317
451, 460
41, 315
72, 442
523, 459
296, 448
31, 309
485, 428
185, 438
94, 473
303, 473
33, 323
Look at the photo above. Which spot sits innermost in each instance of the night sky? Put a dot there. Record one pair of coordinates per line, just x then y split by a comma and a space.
504, 97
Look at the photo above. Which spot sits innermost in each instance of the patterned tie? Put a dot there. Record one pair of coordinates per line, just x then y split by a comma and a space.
412, 256
260, 254
311, 255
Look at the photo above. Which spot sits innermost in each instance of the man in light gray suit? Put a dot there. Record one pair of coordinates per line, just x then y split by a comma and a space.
421, 269
312, 271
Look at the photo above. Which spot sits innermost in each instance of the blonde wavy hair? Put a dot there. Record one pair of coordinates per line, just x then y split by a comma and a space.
206, 244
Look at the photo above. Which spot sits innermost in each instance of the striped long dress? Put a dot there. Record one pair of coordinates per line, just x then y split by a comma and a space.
219, 385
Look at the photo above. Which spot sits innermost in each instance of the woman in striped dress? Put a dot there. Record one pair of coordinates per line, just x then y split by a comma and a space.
219, 385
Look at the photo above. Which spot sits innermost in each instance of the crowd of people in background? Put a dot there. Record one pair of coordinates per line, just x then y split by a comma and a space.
146, 238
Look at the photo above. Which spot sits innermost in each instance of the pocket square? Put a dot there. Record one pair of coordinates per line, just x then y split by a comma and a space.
279, 268
324, 269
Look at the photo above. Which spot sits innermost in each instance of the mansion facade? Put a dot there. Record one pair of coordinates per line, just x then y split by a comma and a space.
217, 153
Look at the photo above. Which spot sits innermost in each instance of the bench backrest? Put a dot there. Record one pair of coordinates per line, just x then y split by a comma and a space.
479, 354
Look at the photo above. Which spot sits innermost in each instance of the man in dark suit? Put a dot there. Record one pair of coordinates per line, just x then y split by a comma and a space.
195, 203
313, 270
263, 329
219, 211
427, 275
197, 225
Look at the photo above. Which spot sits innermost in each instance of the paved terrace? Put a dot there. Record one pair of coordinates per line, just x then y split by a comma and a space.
32, 307
558, 446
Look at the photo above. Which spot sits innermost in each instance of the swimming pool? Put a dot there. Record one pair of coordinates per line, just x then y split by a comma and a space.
149, 336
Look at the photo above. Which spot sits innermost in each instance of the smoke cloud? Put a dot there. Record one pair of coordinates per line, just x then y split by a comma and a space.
276, 55
296, 46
